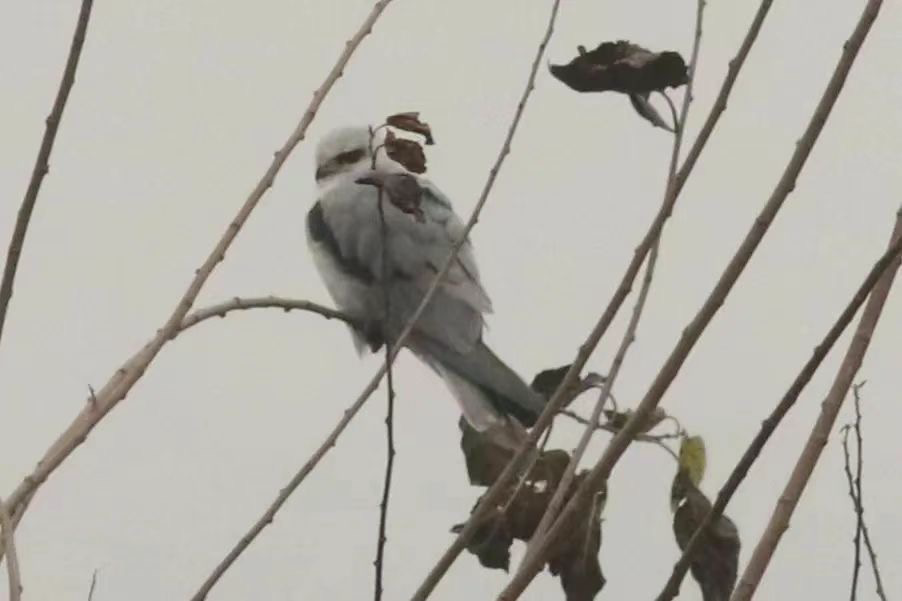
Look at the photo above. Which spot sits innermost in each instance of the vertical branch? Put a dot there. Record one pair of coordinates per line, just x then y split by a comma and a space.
856, 505
494, 493
629, 335
124, 378
789, 498
691, 334
42, 163
855, 485
12, 558
390, 392
769, 425
862, 527
93, 586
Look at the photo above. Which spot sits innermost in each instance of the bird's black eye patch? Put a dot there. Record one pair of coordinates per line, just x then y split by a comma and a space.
351, 156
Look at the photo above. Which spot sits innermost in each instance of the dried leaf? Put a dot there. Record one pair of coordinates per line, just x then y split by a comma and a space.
576, 559
411, 122
492, 541
715, 562
692, 458
622, 67
617, 419
648, 112
407, 152
485, 460
547, 381
577, 562
402, 190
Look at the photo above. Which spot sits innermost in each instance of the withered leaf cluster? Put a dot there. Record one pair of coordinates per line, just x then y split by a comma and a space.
575, 559
715, 562
407, 152
402, 189
622, 67
626, 68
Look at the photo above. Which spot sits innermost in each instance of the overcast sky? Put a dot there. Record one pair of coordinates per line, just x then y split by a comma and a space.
174, 116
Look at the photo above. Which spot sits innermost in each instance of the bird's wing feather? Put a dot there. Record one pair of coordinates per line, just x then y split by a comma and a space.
417, 249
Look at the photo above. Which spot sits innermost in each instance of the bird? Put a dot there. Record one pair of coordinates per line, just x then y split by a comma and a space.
349, 236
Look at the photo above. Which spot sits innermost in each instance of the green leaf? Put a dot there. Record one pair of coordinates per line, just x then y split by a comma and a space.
693, 459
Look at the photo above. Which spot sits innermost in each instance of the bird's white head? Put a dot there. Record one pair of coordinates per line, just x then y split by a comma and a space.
343, 151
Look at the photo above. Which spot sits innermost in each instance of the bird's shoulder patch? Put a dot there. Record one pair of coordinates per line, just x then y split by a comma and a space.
320, 232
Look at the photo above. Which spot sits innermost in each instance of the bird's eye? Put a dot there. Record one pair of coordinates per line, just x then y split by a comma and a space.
351, 156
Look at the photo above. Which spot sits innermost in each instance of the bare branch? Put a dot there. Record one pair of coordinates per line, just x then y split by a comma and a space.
42, 165
379, 563
629, 335
655, 439
12, 558
791, 494
856, 504
261, 302
769, 425
861, 528
93, 586
691, 334
121, 382
493, 494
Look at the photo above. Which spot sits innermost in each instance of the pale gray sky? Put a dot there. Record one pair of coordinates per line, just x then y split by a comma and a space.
175, 113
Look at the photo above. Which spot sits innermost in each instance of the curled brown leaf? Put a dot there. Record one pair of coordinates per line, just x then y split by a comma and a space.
411, 122
407, 152
622, 67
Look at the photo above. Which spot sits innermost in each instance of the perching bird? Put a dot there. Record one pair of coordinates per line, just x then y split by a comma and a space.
345, 234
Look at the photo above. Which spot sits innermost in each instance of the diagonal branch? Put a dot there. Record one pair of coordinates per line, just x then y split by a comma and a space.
12, 557
789, 498
769, 425
41, 165
121, 382
691, 334
494, 493
629, 335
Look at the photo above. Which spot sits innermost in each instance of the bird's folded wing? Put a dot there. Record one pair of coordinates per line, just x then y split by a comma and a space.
418, 247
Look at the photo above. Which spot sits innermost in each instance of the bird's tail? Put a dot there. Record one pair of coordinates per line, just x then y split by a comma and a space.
485, 387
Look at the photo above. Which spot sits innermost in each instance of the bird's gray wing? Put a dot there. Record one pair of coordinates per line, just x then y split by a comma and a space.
418, 246
444, 231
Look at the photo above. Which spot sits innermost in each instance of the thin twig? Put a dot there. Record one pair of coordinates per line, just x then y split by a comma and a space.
41, 164
260, 302
14, 577
379, 563
655, 439
121, 382
862, 527
629, 335
769, 425
855, 486
691, 334
856, 505
557, 400
93, 586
